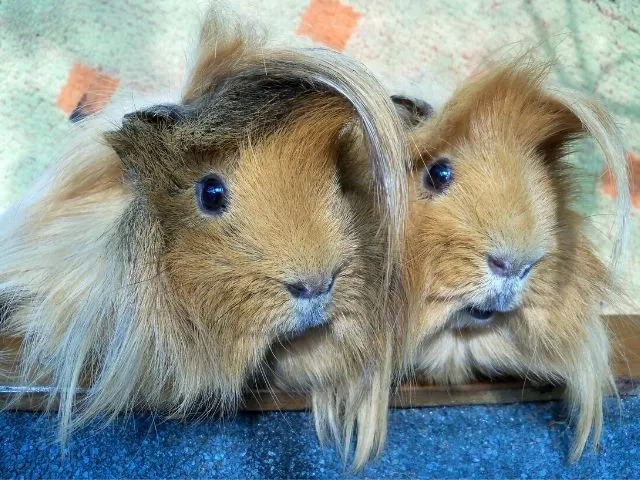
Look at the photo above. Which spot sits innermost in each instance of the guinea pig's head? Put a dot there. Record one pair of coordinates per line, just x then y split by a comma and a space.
490, 232
500, 275
250, 226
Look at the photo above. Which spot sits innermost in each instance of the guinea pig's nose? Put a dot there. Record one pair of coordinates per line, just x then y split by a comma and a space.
310, 287
507, 267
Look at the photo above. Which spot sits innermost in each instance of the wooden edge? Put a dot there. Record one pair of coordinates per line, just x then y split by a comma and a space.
625, 331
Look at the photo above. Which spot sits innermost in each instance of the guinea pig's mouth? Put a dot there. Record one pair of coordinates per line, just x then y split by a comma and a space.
473, 317
476, 316
478, 313
506, 300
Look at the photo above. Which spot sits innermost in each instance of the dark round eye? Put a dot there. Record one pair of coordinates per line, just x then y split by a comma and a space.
211, 193
438, 176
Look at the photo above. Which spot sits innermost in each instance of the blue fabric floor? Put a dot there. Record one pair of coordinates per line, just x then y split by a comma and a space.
515, 441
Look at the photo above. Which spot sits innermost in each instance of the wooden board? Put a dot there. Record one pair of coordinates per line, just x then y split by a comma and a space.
625, 330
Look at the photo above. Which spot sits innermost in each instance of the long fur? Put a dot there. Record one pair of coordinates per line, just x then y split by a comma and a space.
506, 132
117, 285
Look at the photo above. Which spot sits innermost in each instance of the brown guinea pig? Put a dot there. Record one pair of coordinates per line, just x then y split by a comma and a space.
160, 262
500, 276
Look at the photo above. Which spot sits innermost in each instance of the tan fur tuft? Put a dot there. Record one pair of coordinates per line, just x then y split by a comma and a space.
121, 286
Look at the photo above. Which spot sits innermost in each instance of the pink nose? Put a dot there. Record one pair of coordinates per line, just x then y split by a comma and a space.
509, 267
311, 287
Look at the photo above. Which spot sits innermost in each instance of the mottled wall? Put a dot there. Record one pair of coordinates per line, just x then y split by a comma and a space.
58, 59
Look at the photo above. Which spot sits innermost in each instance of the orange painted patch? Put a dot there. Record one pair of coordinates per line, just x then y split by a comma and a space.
329, 22
609, 187
86, 89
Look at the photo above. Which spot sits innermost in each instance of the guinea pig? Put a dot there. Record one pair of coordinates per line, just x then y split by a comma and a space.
500, 277
160, 262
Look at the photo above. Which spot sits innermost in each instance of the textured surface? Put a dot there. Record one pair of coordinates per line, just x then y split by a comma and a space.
451, 442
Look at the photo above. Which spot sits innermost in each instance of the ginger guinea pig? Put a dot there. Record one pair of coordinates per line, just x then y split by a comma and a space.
160, 262
500, 276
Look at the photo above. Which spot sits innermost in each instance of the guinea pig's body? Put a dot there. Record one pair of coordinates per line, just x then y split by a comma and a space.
160, 263
500, 277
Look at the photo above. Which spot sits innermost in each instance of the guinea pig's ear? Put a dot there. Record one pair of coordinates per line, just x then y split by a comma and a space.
557, 127
412, 111
145, 130
569, 115
165, 114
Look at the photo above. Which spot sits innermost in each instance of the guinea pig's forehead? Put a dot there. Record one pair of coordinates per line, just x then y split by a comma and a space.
494, 152
250, 105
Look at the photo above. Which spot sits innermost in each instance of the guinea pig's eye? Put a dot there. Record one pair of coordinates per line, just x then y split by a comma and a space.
211, 194
438, 176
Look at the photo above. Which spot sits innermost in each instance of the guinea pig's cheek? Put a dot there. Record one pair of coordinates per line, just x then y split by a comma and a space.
429, 318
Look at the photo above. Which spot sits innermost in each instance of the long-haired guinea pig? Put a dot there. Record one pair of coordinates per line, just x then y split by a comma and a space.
160, 262
500, 276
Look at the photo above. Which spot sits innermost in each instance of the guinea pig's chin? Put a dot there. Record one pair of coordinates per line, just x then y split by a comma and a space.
308, 314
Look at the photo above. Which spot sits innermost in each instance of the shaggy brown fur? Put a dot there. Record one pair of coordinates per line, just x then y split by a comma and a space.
505, 134
115, 281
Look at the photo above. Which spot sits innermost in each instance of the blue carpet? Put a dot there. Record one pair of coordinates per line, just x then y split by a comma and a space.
515, 441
